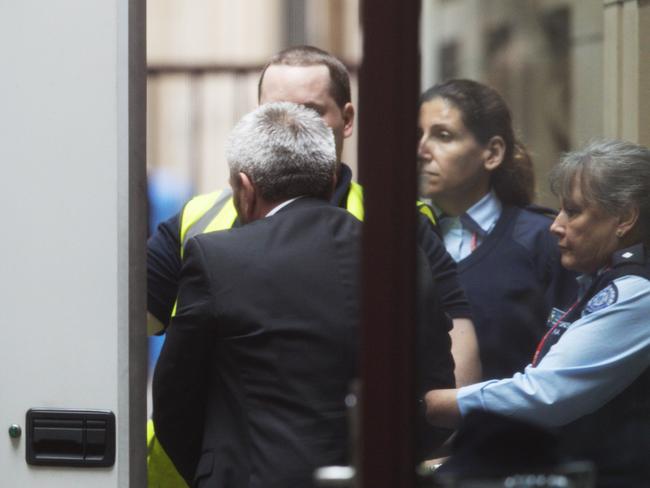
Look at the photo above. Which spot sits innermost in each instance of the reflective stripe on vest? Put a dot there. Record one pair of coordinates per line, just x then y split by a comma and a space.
206, 213
427, 211
161, 472
354, 202
216, 211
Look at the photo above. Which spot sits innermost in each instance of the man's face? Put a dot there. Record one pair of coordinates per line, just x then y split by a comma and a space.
308, 86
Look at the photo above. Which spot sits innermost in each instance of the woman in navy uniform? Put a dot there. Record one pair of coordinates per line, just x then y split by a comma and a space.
480, 180
590, 375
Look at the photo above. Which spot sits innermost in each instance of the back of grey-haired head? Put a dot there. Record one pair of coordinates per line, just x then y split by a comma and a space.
285, 149
613, 175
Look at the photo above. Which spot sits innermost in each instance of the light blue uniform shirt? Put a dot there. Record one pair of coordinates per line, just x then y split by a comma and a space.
465, 233
598, 356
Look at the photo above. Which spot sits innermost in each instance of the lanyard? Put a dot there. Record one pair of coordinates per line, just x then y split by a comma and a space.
474, 242
541, 344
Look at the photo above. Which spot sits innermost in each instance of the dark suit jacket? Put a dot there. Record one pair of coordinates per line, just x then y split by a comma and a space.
250, 385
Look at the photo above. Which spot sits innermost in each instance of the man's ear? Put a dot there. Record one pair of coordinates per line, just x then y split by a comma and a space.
246, 197
348, 119
493, 153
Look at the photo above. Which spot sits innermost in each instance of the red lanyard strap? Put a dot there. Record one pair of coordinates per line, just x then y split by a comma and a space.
542, 343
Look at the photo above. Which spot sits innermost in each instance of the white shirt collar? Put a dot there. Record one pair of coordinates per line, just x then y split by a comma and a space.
463, 234
279, 207
486, 211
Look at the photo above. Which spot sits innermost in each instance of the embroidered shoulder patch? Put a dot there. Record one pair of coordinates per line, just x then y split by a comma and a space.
604, 298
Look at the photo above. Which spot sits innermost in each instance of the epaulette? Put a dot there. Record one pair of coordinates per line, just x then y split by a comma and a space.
630, 255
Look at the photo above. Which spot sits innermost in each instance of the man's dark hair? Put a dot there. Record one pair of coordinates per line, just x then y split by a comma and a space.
312, 56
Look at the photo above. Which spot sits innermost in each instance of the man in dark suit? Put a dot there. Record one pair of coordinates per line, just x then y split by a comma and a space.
249, 389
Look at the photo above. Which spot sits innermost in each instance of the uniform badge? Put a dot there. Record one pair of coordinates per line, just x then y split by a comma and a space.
555, 323
554, 317
604, 298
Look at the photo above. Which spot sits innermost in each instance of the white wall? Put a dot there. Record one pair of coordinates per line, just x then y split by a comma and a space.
72, 196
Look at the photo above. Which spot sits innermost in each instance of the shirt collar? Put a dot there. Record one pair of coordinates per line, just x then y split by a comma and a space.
279, 207
482, 216
486, 211
343, 181
584, 282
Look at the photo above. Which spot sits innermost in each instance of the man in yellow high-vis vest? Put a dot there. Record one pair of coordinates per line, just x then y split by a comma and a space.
318, 80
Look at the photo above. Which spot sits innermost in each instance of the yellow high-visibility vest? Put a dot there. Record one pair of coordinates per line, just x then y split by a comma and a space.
216, 211
208, 213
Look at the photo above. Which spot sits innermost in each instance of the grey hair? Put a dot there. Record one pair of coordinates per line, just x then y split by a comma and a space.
613, 175
286, 150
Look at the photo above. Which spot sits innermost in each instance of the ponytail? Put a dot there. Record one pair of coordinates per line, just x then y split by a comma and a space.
514, 180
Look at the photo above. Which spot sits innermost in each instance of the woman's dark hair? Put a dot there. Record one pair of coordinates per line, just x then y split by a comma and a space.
485, 114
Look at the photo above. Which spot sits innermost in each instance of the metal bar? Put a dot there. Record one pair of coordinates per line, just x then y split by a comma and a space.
135, 346
388, 93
